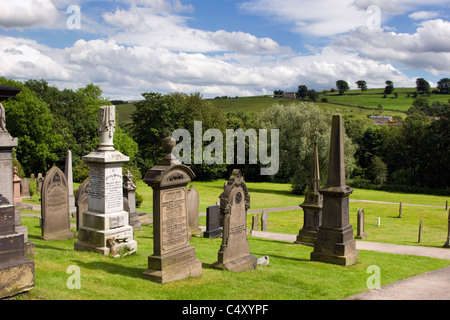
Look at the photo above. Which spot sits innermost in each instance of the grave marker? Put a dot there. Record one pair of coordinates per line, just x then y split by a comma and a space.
234, 252
129, 192
69, 177
447, 244
360, 234
192, 208
25, 189
213, 223
255, 222
265, 220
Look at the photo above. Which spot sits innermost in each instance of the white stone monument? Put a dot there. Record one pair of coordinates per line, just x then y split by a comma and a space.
105, 228
69, 176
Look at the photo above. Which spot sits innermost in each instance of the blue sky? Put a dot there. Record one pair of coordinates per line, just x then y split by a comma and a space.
226, 47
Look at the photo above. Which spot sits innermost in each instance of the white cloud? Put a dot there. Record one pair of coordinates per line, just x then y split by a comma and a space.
427, 49
27, 13
423, 15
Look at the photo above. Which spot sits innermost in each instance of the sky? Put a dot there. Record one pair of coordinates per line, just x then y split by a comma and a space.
223, 47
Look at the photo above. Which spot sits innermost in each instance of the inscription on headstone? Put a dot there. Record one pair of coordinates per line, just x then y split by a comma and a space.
174, 219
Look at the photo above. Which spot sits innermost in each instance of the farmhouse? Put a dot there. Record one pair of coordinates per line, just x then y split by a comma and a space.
383, 120
290, 95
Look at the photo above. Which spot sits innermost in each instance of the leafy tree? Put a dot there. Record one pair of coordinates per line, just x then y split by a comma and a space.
362, 85
342, 86
422, 85
444, 85
389, 87
302, 91
313, 95
378, 171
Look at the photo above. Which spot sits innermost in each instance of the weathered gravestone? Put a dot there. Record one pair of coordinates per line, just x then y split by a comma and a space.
55, 206
360, 234
312, 206
69, 177
32, 177
255, 222
447, 243
265, 220
39, 181
25, 189
82, 202
192, 209
234, 253
173, 258
105, 227
129, 193
213, 223
400, 210
16, 192
335, 243
16, 271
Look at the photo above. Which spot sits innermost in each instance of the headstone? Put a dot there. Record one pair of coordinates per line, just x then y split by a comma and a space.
379, 222
32, 177
82, 202
192, 208
16, 271
265, 220
400, 210
16, 181
234, 253
39, 181
447, 244
173, 258
213, 223
105, 227
255, 222
312, 205
129, 192
335, 243
55, 206
69, 177
25, 189
360, 234
420, 232
446, 205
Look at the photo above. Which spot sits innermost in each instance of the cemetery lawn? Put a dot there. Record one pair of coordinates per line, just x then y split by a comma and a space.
290, 276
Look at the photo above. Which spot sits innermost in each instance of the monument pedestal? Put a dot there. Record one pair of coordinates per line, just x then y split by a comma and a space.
312, 220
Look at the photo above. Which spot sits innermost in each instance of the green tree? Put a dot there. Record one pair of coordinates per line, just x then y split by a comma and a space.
302, 91
389, 87
362, 85
31, 121
377, 171
342, 86
444, 85
422, 85
313, 95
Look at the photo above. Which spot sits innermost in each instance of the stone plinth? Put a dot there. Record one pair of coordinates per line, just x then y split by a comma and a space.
173, 258
234, 254
335, 243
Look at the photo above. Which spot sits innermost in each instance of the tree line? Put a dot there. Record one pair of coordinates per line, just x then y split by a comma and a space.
49, 121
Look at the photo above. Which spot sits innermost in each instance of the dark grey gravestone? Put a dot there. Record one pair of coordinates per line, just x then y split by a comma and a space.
55, 206
213, 223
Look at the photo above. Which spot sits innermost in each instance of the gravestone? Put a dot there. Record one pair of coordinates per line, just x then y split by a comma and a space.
82, 202
255, 222
16, 192
129, 192
32, 177
25, 189
55, 206
447, 243
360, 234
173, 258
265, 220
400, 210
16, 271
312, 205
420, 232
213, 222
192, 208
335, 243
105, 227
234, 253
39, 181
69, 177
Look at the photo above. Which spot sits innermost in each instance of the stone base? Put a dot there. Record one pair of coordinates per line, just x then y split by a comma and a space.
143, 218
197, 233
447, 244
173, 266
62, 235
306, 237
362, 236
212, 234
16, 276
120, 249
335, 246
247, 262
134, 221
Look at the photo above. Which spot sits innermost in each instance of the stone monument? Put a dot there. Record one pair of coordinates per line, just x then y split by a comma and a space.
82, 202
192, 209
447, 243
234, 253
129, 192
105, 227
25, 189
16, 271
16, 188
335, 243
312, 206
265, 220
173, 258
39, 181
55, 206
360, 234
69, 177
213, 223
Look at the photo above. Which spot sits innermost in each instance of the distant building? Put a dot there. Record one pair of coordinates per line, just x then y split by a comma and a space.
383, 120
290, 95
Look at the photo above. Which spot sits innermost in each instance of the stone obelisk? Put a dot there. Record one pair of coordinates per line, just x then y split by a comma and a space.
335, 243
312, 206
